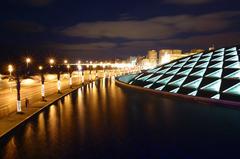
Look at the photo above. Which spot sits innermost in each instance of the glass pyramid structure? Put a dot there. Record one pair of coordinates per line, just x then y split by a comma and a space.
212, 74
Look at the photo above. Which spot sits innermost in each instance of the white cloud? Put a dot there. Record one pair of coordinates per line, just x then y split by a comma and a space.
161, 27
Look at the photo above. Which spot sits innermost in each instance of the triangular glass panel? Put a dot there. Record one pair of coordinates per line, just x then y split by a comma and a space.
205, 59
235, 74
190, 65
173, 72
160, 88
193, 84
154, 79
234, 65
174, 90
215, 74
170, 64
199, 73
165, 80
139, 76
218, 59
217, 65
220, 50
203, 65
217, 96
232, 49
185, 72
163, 71
194, 59
218, 54
154, 70
207, 54
214, 86
148, 86
179, 65
131, 82
178, 82
233, 90
145, 77
184, 60
232, 53
197, 55
194, 93
233, 58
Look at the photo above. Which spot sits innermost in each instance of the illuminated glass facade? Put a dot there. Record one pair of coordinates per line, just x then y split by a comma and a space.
212, 74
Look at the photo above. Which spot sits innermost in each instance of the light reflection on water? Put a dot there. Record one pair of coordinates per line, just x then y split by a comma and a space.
101, 120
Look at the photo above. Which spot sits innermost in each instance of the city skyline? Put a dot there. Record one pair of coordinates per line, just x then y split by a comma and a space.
110, 30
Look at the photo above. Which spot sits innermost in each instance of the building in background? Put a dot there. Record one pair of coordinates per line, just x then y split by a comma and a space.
152, 56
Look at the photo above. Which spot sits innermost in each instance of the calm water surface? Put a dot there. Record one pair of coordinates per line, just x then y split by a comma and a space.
103, 121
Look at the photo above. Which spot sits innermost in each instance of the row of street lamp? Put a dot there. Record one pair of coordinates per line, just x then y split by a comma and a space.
52, 64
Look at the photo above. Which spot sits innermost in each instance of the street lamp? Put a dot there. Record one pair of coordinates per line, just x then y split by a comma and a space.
10, 70
65, 62
51, 62
80, 73
28, 60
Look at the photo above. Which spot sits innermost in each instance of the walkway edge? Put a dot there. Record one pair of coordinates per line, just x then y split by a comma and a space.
20, 123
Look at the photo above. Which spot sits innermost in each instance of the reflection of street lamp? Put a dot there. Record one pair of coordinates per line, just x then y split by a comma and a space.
10, 70
42, 81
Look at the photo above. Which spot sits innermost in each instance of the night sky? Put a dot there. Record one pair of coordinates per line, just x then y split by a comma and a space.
100, 29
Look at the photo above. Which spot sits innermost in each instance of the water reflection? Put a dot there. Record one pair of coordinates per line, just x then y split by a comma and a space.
101, 120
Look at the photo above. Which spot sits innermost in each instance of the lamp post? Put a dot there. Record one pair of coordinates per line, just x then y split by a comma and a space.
79, 72
51, 62
70, 75
18, 87
42, 82
10, 70
28, 60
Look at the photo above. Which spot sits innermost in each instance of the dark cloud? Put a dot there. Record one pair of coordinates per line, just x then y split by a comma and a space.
38, 3
23, 26
95, 46
161, 27
188, 2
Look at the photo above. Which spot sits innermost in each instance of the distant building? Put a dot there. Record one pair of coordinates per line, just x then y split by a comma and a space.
196, 50
167, 55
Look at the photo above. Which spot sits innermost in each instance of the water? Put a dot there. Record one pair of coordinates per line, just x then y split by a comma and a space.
103, 121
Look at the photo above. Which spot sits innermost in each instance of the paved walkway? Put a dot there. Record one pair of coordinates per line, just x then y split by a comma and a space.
7, 124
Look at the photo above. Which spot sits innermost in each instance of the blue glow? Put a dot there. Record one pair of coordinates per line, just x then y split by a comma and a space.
216, 74
145, 77
203, 65
199, 73
217, 65
233, 90
214, 86
178, 82
186, 72
154, 79
190, 65
194, 84
234, 65
165, 80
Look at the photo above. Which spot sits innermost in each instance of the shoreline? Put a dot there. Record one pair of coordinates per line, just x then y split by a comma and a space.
15, 120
